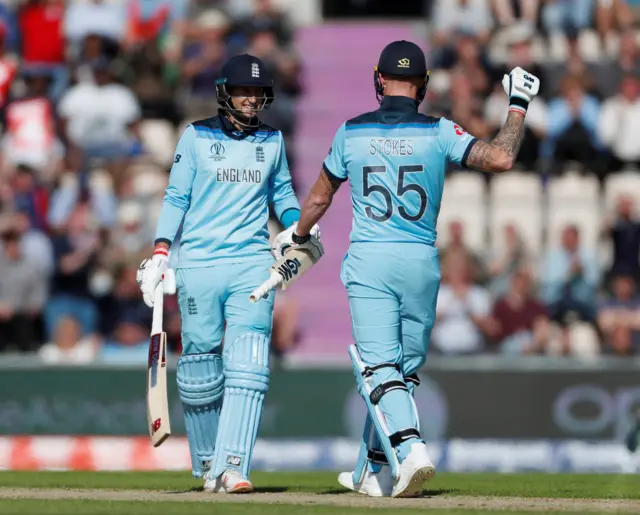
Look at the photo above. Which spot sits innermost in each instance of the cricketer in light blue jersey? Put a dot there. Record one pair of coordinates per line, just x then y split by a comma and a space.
395, 160
221, 185
228, 171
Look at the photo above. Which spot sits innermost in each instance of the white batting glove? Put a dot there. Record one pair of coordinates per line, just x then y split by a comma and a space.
522, 87
283, 241
150, 274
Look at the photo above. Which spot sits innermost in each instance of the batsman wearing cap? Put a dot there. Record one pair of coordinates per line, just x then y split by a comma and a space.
395, 160
227, 171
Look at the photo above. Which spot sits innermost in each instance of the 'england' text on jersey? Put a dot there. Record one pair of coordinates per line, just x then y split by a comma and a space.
239, 175
391, 147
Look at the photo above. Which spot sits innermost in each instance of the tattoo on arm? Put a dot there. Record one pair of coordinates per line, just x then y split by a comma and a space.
505, 146
317, 202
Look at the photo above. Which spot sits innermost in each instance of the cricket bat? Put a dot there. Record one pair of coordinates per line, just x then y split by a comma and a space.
157, 402
285, 271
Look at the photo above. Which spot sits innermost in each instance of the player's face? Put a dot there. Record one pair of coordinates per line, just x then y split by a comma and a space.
247, 99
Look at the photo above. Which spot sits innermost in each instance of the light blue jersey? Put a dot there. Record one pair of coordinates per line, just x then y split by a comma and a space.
395, 160
221, 184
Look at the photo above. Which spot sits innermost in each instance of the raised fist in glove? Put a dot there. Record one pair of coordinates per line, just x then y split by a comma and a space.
150, 273
284, 241
522, 87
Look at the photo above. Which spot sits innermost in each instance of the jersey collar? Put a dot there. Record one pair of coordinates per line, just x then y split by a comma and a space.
230, 130
404, 104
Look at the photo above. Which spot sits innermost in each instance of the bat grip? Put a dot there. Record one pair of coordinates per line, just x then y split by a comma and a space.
275, 280
158, 300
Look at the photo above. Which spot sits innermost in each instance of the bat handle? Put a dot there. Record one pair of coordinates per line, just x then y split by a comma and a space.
275, 280
158, 301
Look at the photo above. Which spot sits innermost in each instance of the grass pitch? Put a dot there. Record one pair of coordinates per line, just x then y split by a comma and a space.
119, 493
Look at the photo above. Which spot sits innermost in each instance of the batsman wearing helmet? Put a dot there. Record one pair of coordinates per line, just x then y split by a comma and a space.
227, 171
395, 161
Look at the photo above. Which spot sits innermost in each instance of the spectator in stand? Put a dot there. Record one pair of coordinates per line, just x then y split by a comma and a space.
574, 65
265, 13
102, 119
30, 197
97, 193
149, 20
619, 125
570, 280
623, 229
572, 131
43, 42
522, 322
30, 133
23, 292
129, 242
75, 250
127, 325
502, 268
68, 347
202, 61
9, 27
456, 245
34, 243
100, 18
523, 14
455, 16
619, 318
560, 16
609, 73
8, 67
463, 313
612, 15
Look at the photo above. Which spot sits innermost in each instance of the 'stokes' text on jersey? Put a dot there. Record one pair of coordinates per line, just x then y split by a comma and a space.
220, 188
395, 160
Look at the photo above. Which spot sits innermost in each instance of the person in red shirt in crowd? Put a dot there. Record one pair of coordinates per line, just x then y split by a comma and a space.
30, 130
522, 320
8, 68
43, 43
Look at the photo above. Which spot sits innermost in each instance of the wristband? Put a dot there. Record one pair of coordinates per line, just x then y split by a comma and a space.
300, 240
518, 104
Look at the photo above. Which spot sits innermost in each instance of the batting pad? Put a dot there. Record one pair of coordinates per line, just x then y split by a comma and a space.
200, 386
390, 407
246, 370
370, 455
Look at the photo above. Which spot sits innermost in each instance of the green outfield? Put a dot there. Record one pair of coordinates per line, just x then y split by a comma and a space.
312, 493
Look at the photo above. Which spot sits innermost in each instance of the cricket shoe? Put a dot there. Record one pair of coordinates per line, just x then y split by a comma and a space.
414, 471
374, 484
229, 482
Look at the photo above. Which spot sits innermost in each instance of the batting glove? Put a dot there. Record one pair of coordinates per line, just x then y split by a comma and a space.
284, 241
522, 87
150, 273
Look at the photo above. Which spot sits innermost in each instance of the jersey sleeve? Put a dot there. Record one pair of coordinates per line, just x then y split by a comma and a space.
177, 197
335, 162
281, 194
456, 143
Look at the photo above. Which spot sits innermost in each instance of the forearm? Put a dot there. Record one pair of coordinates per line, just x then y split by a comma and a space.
72, 262
317, 203
500, 154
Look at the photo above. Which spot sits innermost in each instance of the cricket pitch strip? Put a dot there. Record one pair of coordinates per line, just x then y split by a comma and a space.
342, 500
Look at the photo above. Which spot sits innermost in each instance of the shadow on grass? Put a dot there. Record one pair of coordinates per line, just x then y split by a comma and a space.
439, 491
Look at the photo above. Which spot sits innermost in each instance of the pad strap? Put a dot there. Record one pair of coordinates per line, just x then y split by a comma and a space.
375, 456
368, 371
413, 378
385, 388
404, 434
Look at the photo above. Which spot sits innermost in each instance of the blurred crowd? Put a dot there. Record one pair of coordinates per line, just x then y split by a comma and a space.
586, 53
564, 300
94, 93
93, 96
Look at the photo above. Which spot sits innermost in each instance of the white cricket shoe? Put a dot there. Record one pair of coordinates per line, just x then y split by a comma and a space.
414, 471
229, 482
374, 484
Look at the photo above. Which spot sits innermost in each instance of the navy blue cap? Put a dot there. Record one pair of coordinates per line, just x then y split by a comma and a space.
403, 58
245, 70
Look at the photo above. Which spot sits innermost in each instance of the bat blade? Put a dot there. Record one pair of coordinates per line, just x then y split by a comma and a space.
157, 402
